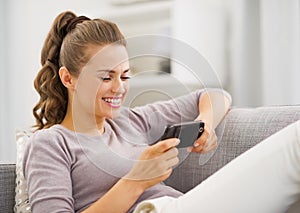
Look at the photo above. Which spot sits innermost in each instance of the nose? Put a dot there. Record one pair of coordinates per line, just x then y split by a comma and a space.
118, 86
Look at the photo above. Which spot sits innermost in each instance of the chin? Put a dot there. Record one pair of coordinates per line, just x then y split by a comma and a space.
109, 110
113, 114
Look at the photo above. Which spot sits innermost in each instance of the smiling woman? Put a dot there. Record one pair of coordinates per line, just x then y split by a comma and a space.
99, 91
82, 125
91, 154
72, 47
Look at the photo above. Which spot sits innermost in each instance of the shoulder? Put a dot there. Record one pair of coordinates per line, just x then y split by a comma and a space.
49, 139
51, 134
47, 149
49, 145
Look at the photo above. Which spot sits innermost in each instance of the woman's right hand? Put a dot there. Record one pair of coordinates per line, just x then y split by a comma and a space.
155, 163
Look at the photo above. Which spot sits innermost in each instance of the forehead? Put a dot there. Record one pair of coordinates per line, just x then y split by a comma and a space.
108, 57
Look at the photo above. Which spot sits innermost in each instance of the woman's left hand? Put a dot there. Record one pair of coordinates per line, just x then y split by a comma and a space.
206, 142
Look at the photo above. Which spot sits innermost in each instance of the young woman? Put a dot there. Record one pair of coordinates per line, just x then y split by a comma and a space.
90, 154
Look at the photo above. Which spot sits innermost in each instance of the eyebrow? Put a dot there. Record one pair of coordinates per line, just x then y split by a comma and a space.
112, 71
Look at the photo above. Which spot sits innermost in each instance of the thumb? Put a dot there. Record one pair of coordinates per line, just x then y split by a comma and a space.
165, 145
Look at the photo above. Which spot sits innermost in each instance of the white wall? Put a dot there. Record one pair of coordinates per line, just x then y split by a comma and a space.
280, 51
245, 59
265, 52
3, 81
203, 26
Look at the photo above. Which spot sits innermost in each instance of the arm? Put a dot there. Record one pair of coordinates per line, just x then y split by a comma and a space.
154, 166
50, 184
47, 165
120, 197
213, 106
152, 118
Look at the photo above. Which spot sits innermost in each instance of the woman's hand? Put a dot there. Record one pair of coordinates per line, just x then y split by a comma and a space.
155, 163
206, 142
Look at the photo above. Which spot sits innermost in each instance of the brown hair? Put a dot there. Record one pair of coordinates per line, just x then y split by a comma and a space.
66, 45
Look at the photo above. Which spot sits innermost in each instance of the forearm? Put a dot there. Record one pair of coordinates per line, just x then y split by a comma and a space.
154, 166
118, 199
213, 106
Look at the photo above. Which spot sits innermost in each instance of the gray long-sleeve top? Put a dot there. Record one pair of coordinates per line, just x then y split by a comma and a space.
67, 171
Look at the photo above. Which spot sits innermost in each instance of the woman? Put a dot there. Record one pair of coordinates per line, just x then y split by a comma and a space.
89, 154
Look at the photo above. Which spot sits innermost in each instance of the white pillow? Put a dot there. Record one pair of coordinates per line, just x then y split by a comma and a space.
21, 198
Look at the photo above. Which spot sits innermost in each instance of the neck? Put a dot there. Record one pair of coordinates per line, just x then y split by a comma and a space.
87, 124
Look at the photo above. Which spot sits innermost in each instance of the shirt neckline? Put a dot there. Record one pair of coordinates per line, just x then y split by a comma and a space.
105, 133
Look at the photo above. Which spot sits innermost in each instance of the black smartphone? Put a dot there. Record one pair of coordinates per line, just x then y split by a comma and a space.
187, 132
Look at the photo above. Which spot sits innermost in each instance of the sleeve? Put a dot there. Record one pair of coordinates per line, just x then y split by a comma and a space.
153, 118
47, 169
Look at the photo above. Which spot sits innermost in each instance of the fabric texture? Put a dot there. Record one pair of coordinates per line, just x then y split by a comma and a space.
265, 178
241, 129
22, 204
7, 187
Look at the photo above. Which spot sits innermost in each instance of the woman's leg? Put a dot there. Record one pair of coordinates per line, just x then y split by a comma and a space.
265, 179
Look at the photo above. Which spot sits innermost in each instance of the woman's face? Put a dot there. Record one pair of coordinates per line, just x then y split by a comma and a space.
103, 82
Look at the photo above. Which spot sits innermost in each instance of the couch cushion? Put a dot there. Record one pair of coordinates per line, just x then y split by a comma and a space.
7, 185
22, 204
241, 129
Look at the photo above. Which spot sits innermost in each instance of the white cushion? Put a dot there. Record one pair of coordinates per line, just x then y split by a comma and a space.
21, 198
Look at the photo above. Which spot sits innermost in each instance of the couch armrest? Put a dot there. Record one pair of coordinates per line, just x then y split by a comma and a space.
241, 129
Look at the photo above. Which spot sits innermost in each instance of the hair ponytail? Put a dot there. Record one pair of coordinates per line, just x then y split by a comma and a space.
53, 95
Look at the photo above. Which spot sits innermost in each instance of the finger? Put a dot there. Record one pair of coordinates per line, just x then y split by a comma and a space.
210, 148
165, 145
171, 153
212, 145
197, 149
202, 139
167, 174
209, 145
200, 142
172, 162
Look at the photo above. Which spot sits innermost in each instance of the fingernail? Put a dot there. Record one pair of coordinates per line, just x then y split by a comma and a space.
196, 144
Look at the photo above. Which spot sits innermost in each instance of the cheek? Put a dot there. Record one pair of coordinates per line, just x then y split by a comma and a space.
87, 92
102, 90
105, 89
126, 86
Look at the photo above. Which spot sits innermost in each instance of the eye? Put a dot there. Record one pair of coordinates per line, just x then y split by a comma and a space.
105, 78
124, 78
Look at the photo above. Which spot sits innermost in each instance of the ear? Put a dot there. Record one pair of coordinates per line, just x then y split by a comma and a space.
66, 78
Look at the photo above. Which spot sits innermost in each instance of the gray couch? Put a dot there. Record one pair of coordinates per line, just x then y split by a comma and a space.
241, 129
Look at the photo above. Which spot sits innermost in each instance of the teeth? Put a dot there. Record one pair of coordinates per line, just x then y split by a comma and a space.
114, 101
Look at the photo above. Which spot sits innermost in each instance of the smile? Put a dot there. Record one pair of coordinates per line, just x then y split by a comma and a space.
113, 102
